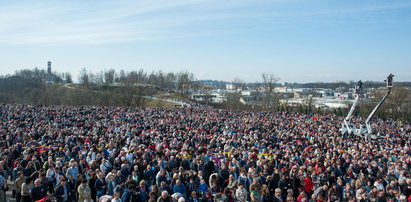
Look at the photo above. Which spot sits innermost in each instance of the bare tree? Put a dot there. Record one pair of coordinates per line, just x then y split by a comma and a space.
109, 76
121, 76
397, 105
67, 78
84, 77
170, 81
98, 78
238, 83
184, 80
269, 81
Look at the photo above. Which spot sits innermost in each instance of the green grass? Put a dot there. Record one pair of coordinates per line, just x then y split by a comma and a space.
158, 103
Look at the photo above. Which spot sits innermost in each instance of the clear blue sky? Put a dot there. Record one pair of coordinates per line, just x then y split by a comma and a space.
300, 41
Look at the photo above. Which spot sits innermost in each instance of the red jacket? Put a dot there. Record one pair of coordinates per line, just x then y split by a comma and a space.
309, 185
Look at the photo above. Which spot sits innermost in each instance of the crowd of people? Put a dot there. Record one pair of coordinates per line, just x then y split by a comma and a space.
195, 154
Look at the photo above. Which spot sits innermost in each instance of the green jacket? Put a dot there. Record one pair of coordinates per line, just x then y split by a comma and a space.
18, 182
84, 192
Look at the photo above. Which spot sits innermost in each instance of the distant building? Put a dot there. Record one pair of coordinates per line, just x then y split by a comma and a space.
346, 95
326, 92
280, 89
246, 93
50, 77
49, 67
230, 86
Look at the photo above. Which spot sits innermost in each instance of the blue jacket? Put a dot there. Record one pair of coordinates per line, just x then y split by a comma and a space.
110, 187
180, 189
126, 196
203, 188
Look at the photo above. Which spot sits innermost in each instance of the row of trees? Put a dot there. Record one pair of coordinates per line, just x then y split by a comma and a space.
170, 81
59, 95
14, 85
103, 88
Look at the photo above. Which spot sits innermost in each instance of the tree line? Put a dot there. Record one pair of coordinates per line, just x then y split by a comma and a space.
170, 81
109, 87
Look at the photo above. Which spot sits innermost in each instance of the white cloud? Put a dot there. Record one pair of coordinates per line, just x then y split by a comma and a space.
96, 22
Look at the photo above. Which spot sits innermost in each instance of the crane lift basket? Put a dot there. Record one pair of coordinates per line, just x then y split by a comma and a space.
366, 130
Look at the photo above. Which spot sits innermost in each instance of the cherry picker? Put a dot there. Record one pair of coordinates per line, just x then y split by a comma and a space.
366, 130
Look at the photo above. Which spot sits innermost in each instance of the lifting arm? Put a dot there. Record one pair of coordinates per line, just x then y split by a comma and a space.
358, 89
389, 86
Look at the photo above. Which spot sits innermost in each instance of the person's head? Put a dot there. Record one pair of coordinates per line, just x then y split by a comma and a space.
131, 187
231, 177
176, 196
112, 177
37, 182
240, 185
396, 193
181, 199
348, 194
290, 199
63, 181
253, 187
129, 178
116, 195
154, 188
164, 194
277, 192
214, 184
142, 183
84, 181
243, 173
290, 192
28, 180
403, 198
320, 169
175, 175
